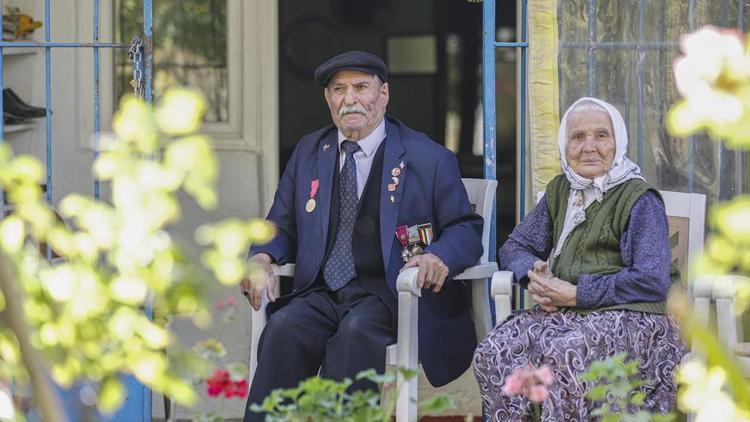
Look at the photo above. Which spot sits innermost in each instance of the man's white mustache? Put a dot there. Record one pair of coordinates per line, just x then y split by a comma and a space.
352, 109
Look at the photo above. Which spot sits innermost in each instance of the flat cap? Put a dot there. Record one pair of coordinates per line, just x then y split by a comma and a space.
351, 60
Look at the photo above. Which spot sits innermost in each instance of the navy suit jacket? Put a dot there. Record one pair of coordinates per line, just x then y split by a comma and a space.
430, 191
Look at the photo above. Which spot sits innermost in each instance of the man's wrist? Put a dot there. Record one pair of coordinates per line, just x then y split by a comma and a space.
263, 257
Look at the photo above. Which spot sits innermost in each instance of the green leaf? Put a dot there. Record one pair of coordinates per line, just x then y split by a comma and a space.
437, 404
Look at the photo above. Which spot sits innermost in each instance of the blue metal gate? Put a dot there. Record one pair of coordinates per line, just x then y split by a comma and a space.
138, 402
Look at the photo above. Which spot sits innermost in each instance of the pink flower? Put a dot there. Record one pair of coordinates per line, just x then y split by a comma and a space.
538, 393
544, 374
529, 382
229, 302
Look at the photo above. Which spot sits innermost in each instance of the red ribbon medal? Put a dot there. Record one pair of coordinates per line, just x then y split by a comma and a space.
310, 206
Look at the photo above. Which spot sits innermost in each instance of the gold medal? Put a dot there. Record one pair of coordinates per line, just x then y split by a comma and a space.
310, 206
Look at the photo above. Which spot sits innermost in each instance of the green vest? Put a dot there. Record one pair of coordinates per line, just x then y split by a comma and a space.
593, 247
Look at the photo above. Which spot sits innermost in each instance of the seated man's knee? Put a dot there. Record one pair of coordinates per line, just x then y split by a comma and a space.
282, 322
353, 326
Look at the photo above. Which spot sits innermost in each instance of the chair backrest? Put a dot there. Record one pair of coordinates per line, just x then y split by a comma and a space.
686, 213
481, 196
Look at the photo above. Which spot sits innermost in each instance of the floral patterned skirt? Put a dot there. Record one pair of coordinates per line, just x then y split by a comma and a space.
568, 342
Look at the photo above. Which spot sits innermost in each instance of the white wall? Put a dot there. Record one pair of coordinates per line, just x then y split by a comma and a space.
247, 151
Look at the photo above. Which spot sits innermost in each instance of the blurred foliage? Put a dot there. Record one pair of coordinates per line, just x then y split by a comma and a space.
85, 307
713, 78
320, 399
619, 391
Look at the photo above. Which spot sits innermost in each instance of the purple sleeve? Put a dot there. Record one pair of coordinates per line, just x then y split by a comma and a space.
530, 240
647, 257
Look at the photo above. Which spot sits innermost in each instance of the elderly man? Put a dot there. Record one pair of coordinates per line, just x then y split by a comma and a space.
359, 201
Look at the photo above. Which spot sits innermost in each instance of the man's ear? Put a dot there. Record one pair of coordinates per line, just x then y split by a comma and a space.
326, 96
385, 92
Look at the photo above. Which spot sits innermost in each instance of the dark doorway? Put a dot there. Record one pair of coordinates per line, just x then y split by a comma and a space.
434, 51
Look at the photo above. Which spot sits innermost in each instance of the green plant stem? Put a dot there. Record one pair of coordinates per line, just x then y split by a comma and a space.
13, 315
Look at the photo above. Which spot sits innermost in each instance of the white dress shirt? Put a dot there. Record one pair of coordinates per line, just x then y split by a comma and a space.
364, 156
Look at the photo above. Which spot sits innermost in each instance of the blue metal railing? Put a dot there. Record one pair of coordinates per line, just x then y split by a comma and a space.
138, 404
489, 45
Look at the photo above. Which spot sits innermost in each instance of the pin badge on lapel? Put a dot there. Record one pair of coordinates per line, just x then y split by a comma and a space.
393, 200
310, 206
326, 146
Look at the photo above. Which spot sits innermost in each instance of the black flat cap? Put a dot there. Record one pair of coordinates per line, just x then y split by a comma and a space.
351, 60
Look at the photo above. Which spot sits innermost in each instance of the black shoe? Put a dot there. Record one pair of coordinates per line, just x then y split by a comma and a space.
11, 119
13, 104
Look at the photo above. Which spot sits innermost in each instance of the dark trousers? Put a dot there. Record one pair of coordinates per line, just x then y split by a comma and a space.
337, 333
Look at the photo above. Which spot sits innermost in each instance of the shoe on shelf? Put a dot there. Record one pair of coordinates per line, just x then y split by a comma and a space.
11, 119
13, 104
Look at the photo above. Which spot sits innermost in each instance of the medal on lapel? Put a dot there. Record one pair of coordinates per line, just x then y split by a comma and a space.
414, 239
310, 206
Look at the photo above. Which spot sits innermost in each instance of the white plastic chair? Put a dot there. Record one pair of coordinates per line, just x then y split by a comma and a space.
404, 353
686, 213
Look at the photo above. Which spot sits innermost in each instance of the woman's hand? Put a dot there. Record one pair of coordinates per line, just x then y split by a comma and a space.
550, 292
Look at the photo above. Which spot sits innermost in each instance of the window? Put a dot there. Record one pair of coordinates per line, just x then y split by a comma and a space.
191, 49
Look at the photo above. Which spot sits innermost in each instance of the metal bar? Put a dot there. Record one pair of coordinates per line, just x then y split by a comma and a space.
2, 121
148, 18
488, 104
691, 139
590, 56
616, 45
739, 157
512, 44
48, 100
46, 44
2, 107
522, 111
96, 93
741, 15
639, 81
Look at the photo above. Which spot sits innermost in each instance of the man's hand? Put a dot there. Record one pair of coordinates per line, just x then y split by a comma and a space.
432, 271
260, 277
552, 292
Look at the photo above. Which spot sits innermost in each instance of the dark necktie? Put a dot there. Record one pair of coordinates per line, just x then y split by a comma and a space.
339, 268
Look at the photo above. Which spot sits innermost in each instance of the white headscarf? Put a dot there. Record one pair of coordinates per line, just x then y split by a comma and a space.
584, 191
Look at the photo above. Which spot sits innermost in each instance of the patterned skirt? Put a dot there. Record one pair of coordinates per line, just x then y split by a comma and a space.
568, 342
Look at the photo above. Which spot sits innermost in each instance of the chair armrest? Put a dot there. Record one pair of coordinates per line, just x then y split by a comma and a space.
407, 282
726, 286
478, 272
286, 270
502, 283
502, 293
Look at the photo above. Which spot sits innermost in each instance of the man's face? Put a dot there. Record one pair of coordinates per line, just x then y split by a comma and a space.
357, 101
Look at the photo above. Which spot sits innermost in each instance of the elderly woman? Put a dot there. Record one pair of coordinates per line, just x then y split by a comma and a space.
595, 255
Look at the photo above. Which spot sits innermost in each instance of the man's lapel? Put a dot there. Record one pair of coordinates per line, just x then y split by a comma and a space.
390, 201
326, 167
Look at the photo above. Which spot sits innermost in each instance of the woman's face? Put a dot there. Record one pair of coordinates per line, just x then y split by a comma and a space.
591, 143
